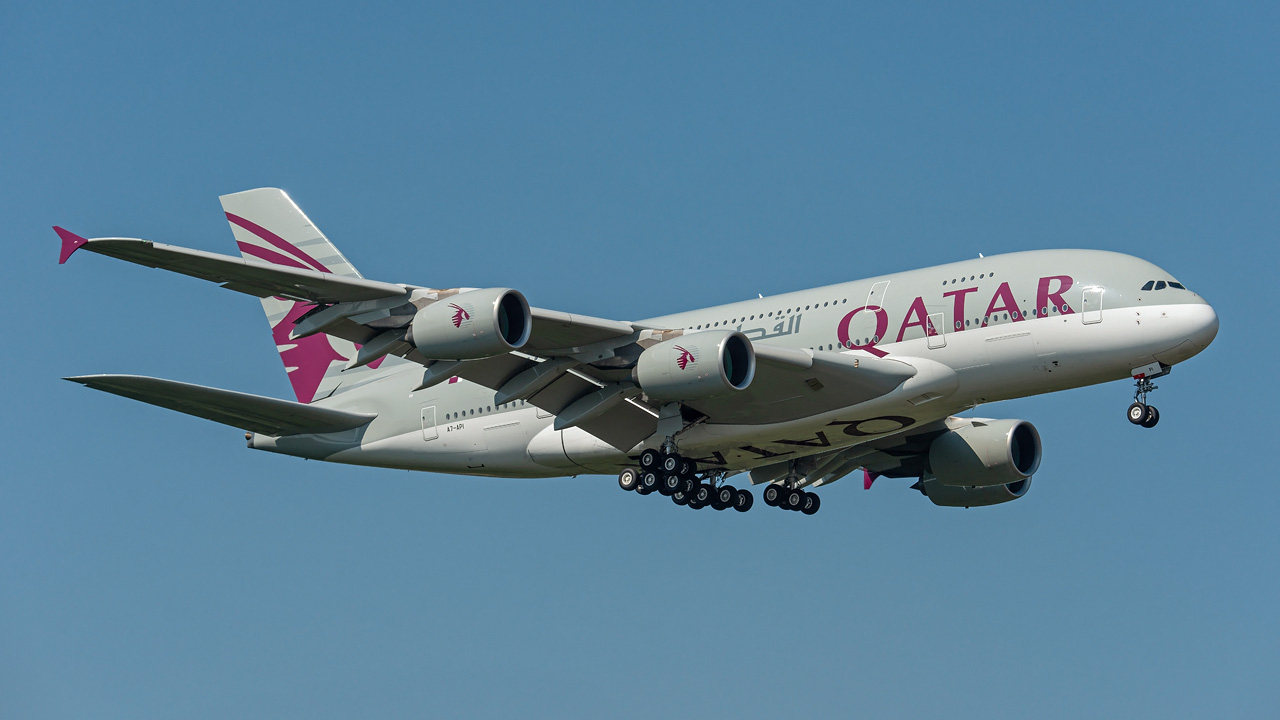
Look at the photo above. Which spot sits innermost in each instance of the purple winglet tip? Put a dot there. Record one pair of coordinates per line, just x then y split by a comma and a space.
868, 477
70, 243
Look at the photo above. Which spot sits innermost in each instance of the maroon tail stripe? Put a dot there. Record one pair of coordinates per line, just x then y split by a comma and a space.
274, 258
277, 241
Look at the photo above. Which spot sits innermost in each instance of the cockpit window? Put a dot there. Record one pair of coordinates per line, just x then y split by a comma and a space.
1150, 284
1159, 284
1179, 286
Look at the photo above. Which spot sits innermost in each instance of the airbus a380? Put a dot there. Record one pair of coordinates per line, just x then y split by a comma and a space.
792, 392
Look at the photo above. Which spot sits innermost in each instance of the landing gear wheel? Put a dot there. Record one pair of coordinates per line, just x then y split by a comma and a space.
725, 497
1137, 413
794, 500
703, 494
688, 484
772, 495
670, 485
743, 501
671, 464
1153, 417
649, 481
680, 498
629, 479
649, 459
812, 502
688, 468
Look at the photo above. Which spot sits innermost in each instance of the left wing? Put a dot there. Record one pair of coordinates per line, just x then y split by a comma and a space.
578, 368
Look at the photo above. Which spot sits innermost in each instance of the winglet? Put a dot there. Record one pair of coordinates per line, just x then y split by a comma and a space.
868, 477
70, 243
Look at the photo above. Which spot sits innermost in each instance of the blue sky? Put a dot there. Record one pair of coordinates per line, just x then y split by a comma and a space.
629, 161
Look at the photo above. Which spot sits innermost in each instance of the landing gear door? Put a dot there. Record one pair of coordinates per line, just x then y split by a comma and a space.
429, 429
936, 331
1091, 306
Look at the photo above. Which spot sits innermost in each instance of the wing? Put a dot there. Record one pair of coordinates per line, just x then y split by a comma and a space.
255, 413
898, 455
258, 279
578, 368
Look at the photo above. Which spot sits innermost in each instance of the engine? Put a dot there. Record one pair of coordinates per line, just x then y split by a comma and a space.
986, 453
948, 496
696, 366
471, 325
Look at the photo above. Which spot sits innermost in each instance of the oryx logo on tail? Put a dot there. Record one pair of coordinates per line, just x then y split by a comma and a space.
459, 315
685, 358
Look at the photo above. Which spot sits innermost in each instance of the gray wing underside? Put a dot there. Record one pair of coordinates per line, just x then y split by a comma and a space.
268, 416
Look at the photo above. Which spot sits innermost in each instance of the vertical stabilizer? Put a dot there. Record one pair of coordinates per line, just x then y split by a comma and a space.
270, 228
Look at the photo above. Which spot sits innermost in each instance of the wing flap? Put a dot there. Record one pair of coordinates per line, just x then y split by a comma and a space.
264, 415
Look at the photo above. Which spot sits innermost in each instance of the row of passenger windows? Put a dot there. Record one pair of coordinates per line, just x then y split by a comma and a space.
971, 278
762, 316
1160, 285
486, 409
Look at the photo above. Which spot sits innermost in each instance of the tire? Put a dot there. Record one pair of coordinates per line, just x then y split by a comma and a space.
744, 501
649, 459
725, 497
794, 500
670, 484
680, 498
772, 494
688, 468
1153, 417
812, 504
702, 495
650, 481
671, 464
1137, 413
629, 479
689, 484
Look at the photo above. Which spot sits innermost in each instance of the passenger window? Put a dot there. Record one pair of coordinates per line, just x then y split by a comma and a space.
1159, 284
1150, 284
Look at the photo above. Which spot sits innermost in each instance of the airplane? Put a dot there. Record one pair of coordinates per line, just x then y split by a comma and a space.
792, 392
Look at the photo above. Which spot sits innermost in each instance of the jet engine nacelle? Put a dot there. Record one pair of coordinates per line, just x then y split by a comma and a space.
948, 496
696, 366
986, 453
471, 325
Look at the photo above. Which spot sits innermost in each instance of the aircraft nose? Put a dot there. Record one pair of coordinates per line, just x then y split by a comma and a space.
1204, 327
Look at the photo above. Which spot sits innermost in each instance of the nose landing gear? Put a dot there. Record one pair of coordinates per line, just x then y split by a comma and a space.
1140, 413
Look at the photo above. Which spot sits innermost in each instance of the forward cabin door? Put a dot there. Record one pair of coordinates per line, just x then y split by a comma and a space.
937, 331
876, 297
1091, 306
429, 429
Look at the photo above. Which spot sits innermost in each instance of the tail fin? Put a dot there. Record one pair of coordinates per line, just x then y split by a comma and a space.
270, 228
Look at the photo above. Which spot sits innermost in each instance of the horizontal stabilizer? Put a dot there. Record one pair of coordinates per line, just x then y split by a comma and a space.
264, 415
233, 273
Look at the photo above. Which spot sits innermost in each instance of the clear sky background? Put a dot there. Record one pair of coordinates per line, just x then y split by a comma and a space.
628, 161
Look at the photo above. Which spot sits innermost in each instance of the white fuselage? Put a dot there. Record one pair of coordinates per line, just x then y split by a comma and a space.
1008, 326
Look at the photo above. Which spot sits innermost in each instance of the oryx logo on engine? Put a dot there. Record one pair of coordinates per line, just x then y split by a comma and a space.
685, 358
460, 315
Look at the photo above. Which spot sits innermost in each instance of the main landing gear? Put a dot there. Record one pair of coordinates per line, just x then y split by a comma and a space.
1140, 413
667, 473
787, 495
